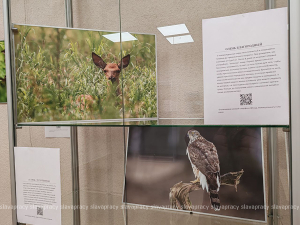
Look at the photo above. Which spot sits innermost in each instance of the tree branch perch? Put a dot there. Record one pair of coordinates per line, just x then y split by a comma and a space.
179, 193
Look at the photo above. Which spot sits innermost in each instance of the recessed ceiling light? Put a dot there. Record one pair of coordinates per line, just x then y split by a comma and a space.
116, 37
180, 39
173, 30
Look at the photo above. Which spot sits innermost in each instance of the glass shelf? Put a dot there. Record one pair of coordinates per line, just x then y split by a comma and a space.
165, 122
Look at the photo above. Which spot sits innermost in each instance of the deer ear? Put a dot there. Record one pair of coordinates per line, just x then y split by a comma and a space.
98, 61
125, 62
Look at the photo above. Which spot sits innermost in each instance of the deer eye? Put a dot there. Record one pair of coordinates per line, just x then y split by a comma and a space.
105, 71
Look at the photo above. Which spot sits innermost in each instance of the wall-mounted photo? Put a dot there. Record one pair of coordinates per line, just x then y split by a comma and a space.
2, 73
71, 74
211, 170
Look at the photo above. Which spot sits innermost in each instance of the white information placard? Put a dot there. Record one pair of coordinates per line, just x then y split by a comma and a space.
57, 132
38, 186
245, 69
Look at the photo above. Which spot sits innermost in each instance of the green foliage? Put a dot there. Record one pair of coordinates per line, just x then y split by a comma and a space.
57, 79
2, 73
2, 60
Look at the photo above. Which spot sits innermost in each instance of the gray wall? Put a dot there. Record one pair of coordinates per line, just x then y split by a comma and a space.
101, 150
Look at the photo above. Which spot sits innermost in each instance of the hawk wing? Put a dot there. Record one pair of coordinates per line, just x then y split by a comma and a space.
204, 156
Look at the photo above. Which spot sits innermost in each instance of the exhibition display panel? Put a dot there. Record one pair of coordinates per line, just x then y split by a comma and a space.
226, 186
178, 114
72, 75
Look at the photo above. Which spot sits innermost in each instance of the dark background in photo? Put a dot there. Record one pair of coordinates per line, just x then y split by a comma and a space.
157, 160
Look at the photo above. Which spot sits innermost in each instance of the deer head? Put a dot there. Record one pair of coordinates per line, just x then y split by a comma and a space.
111, 70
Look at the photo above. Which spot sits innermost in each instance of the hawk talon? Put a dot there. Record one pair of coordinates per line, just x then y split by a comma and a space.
195, 181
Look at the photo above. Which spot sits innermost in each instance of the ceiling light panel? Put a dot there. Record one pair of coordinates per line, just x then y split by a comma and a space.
116, 37
180, 39
173, 30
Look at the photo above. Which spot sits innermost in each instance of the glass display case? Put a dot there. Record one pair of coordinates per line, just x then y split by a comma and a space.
127, 77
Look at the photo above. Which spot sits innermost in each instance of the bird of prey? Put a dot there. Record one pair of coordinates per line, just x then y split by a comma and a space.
205, 163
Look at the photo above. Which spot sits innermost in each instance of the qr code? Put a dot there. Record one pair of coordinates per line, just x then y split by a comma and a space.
39, 211
246, 99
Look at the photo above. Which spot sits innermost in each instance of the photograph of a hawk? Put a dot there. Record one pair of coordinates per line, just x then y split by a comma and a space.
205, 163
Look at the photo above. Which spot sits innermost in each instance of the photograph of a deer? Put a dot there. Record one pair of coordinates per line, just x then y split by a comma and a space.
77, 74
112, 70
